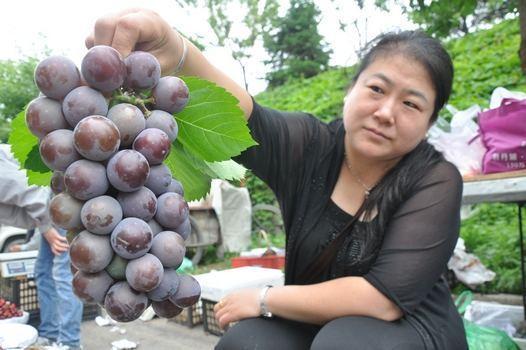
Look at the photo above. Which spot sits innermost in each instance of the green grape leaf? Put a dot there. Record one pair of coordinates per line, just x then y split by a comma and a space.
24, 146
212, 126
226, 170
187, 169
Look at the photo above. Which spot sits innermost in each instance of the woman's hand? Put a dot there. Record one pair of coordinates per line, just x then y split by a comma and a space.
237, 306
139, 30
57, 242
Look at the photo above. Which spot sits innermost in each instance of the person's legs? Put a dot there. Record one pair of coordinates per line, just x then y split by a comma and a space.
268, 334
355, 332
69, 306
47, 296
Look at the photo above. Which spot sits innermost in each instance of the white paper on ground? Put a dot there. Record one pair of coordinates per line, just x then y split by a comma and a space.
123, 344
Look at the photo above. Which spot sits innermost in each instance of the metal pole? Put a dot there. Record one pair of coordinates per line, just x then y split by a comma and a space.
520, 205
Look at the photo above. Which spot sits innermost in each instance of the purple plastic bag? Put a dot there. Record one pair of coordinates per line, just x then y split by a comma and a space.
503, 131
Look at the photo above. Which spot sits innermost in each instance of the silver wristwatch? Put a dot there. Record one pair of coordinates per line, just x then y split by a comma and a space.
263, 309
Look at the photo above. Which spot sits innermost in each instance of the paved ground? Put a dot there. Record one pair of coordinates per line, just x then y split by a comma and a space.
158, 334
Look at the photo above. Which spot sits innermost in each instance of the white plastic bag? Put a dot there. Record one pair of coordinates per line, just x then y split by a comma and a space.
461, 144
468, 268
504, 317
501, 93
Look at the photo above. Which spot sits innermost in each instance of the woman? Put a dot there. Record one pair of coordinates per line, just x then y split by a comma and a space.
371, 209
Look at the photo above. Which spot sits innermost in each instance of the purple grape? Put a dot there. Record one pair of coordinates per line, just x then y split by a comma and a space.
170, 94
169, 247
124, 304
82, 102
57, 182
167, 287
128, 170
103, 68
145, 273
153, 144
56, 76
92, 287
57, 149
45, 115
143, 71
101, 214
164, 121
129, 120
176, 186
159, 179
131, 238
172, 210
86, 179
141, 204
188, 292
154, 225
184, 229
117, 268
96, 138
64, 211
166, 309
90, 253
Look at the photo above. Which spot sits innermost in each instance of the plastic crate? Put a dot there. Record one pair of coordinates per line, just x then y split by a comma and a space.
23, 292
271, 261
191, 316
210, 324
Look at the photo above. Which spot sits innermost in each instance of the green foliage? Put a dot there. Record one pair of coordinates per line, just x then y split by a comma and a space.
16, 90
295, 45
212, 126
492, 235
24, 146
321, 95
483, 61
444, 17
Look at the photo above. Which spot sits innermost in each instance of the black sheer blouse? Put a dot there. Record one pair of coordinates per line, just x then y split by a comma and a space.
299, 157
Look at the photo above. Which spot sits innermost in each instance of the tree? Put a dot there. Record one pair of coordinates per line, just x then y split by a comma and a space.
259, 16
443, 18
295, 46
17, 90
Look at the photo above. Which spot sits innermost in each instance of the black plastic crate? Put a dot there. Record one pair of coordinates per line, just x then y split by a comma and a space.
191, 316
210, 324
22, 291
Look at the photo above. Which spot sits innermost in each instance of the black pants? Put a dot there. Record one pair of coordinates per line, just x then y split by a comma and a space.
353, 332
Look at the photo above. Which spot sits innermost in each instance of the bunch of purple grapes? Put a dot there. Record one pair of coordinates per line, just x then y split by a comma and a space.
105, 132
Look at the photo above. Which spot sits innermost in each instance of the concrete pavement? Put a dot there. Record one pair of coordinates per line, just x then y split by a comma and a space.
156, 334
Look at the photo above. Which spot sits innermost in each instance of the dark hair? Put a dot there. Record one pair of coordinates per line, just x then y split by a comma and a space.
420, 47
398, 184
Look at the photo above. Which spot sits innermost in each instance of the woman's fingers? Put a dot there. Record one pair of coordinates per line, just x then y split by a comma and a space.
137, 29
104, 29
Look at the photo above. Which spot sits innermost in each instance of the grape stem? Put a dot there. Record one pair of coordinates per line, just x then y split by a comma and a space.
126, 97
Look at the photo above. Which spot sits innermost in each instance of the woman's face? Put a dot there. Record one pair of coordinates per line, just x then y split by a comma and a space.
387, 111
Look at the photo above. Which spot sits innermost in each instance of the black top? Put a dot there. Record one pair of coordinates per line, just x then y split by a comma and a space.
299, 157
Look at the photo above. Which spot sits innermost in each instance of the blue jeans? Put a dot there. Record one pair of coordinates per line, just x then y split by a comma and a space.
60, 309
